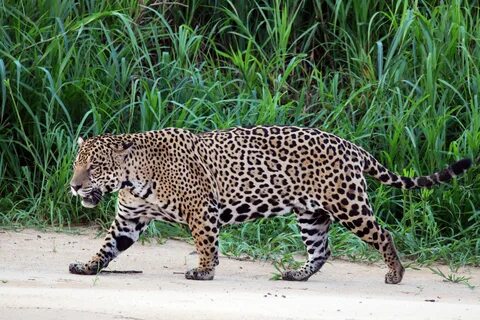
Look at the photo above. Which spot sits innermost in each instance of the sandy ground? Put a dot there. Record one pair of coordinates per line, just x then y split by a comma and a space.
35, 283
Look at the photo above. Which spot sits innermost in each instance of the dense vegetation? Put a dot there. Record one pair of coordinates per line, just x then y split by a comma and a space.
399, 78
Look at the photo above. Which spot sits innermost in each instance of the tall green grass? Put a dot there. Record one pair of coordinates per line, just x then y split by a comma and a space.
400, 79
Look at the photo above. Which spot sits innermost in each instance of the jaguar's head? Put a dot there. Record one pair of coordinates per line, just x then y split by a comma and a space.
99, 167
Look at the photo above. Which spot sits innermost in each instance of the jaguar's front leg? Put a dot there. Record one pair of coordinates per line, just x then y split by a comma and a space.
204, 228
124, 231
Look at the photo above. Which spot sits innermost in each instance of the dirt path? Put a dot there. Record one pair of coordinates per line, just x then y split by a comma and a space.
35, 283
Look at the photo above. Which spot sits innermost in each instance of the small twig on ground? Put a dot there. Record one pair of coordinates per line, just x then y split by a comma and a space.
245, 258
121, 271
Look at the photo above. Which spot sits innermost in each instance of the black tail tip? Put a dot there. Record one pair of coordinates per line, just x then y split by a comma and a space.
461, 166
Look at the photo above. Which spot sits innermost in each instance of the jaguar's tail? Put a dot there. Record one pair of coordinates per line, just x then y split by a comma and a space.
375, 169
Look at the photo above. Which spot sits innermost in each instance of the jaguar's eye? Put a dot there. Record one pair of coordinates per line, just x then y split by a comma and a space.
91, 169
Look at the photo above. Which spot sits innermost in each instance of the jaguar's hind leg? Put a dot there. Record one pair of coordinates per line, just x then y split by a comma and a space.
380, 239
314, 229
360, 220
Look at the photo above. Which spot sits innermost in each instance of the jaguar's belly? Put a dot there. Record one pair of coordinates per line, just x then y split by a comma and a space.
246, 212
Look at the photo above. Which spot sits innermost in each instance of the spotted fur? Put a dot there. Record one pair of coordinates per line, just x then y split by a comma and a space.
217, 178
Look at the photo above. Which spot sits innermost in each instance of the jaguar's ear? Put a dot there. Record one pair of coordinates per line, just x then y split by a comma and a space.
80, 141
122, 148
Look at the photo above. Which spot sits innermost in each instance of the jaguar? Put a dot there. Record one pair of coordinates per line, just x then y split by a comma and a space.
213, 179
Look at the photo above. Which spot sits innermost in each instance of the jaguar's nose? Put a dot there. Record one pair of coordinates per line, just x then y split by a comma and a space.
76, 187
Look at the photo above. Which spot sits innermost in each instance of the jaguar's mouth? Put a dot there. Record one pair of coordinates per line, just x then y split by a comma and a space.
92, 198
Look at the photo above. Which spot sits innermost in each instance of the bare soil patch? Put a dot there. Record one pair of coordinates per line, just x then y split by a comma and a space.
35, 283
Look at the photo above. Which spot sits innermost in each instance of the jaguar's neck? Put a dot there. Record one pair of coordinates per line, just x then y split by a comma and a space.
140, 189
138, 180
